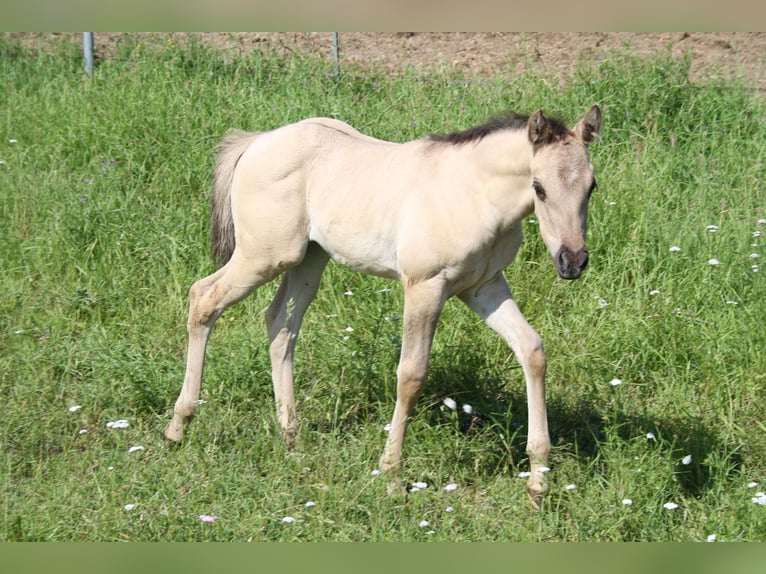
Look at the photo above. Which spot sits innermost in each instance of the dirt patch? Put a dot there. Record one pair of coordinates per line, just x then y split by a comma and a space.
487, 55
484, 55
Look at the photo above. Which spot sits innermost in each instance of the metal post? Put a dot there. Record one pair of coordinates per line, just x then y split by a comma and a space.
335, 55
87, 45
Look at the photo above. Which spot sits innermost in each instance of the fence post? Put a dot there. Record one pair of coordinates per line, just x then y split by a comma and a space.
87, 48
336, 56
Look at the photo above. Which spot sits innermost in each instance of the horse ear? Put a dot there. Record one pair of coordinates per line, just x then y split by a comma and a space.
539, 131
589, 128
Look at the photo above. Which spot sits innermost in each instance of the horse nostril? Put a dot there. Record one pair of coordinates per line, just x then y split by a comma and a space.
564, 259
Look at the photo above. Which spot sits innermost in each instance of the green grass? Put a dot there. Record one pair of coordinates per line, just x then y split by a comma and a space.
103, 220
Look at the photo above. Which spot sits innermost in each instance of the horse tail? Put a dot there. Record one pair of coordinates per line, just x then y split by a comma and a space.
230, 150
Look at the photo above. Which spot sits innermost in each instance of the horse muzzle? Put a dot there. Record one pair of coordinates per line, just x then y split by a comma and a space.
569, 264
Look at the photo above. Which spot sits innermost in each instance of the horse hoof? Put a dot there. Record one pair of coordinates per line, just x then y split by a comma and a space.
172, 436
396, 490
395, 487
536, 493
536, 498
290, 439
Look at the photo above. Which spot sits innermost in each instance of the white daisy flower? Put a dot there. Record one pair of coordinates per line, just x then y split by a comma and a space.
120, 424
449, 403
670, 505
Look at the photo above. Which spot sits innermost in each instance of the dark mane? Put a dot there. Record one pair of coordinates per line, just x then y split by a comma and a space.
508, 121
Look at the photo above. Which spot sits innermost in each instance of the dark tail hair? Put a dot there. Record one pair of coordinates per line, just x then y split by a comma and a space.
231, 149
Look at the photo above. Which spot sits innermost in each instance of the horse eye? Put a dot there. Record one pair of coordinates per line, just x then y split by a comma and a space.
539, 190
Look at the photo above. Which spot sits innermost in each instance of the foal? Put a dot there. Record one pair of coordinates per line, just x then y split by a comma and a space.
442, 215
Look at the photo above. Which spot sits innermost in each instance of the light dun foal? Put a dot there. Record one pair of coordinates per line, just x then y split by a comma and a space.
441, 214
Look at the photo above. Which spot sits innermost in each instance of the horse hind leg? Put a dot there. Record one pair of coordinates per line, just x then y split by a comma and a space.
208, 299
283, 320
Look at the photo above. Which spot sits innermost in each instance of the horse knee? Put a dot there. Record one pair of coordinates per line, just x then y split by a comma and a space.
411, 378
533, 357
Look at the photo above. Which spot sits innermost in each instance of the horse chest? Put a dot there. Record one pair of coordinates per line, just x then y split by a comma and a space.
494, 256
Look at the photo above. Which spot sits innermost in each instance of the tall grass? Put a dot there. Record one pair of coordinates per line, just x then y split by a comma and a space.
103, 219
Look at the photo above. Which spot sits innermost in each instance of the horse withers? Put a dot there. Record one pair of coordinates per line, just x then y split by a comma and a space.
441, 214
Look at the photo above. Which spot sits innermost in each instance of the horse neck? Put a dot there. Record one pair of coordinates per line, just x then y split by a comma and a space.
504, 162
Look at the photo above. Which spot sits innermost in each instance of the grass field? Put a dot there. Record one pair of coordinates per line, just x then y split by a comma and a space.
104, 225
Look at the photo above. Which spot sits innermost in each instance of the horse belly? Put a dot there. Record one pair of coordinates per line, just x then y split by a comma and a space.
358, 246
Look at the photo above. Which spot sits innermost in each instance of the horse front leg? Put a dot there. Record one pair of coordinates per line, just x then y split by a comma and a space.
494, 303
423, 303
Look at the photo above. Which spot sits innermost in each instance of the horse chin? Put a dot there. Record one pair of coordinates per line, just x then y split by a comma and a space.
569, 275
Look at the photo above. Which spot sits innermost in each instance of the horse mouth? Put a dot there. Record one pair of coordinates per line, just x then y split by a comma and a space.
569, 275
